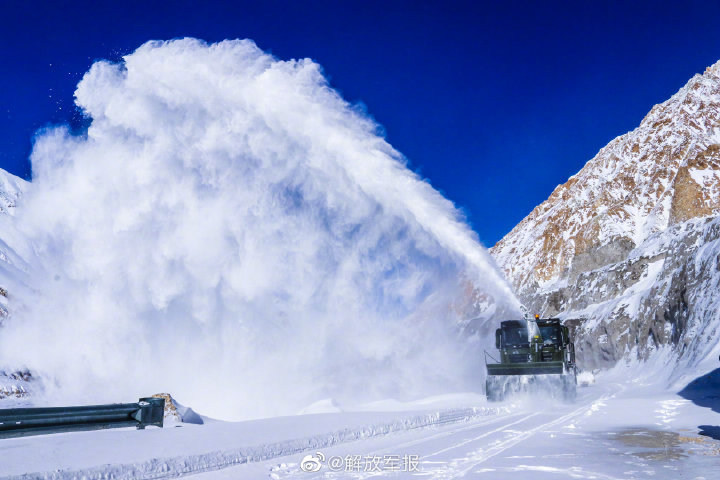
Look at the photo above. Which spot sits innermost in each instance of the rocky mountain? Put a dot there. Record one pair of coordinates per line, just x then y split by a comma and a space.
629, 247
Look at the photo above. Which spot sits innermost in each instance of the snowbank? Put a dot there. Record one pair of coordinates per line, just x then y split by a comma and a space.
169, 452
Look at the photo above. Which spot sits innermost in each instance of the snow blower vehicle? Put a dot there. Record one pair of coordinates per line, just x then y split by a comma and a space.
536, 356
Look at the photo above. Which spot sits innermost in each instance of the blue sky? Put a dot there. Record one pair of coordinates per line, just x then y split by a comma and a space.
495, 103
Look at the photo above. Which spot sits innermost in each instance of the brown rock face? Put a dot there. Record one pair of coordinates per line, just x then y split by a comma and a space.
171, 412
601, 229
696, 186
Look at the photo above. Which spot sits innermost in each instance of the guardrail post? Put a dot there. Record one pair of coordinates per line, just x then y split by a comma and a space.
151, 412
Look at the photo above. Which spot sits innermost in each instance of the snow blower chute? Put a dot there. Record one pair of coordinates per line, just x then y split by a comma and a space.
535, 356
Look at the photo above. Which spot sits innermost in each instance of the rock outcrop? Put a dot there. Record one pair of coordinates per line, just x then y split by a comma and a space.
177, 413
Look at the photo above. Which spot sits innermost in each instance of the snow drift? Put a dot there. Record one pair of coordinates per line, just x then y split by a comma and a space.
232, 231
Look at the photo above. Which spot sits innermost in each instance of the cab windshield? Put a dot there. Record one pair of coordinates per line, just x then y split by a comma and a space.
516, 337
551, 333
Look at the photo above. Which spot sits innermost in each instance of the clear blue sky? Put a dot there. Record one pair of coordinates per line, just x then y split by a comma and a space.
494, 102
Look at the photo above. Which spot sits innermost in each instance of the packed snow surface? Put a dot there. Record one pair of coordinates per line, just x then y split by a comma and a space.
616, 430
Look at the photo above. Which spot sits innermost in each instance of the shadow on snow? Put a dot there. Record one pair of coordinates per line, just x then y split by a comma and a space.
705, 392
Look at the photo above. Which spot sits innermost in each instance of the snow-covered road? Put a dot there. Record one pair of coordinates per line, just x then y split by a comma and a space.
610, 433
615, 430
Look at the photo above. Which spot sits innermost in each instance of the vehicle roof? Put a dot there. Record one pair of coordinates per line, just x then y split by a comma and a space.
513, 324
522, 323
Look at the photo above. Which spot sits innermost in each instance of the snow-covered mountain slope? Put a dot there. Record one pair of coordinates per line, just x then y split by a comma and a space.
13, 384
629, 245
11, 189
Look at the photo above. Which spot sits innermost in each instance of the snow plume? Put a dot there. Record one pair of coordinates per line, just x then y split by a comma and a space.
230, 230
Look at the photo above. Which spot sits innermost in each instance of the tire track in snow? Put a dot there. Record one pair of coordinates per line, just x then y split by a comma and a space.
486, 434
442, 469
463, 466
423, 440
572, 472
437, 436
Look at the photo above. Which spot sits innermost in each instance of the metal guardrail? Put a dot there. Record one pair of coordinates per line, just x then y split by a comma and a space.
20, 422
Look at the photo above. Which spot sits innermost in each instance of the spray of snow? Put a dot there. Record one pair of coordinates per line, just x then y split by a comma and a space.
230, 230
